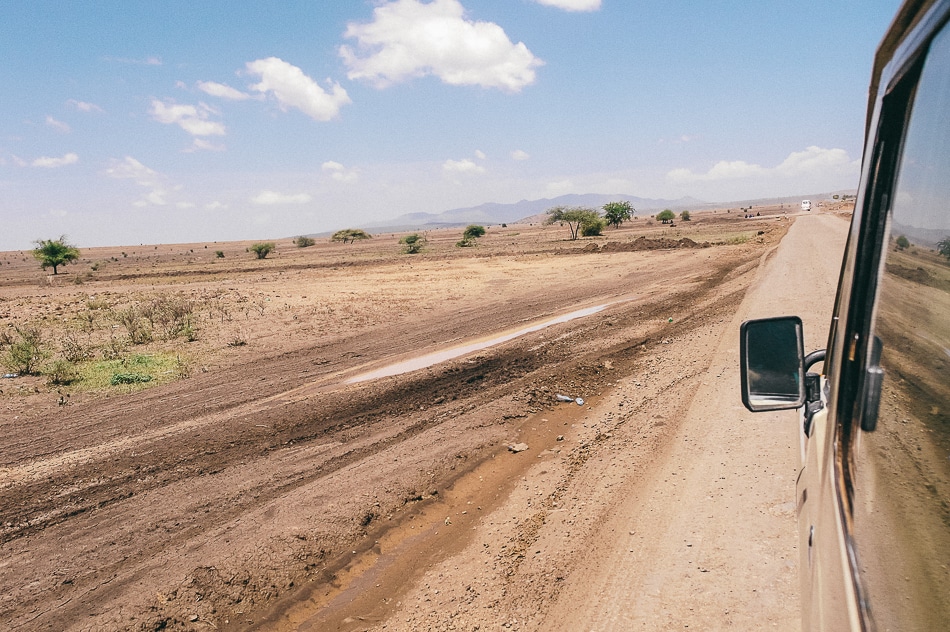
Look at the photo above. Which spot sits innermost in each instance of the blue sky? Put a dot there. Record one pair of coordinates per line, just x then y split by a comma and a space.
132, 122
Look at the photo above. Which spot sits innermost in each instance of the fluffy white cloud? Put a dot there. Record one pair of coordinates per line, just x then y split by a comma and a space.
293, 89
83, 106
811, 170
462, 166
815, 160
339, 173
193, 119
572, 5
480, 154
519, 154
273, 197
409, 38
52, 163
131, 169
223, 91
59, 126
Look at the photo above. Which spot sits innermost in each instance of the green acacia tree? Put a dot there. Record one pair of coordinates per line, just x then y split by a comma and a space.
350, 235
574, 216
616, 213
53, 253
666, 216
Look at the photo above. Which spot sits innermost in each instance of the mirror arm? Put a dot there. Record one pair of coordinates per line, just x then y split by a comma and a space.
813, 358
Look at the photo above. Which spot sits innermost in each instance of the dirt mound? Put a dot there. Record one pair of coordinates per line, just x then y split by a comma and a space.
645, 243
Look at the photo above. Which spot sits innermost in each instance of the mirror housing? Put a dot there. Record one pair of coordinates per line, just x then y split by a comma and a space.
772, 363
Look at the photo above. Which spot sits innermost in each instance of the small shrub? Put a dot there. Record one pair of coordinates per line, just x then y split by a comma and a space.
902, 242
593, 228
685, 216
465, 243
219, 254
263, 249
413, 243
473, 231
61, 372
304, 242
25, 351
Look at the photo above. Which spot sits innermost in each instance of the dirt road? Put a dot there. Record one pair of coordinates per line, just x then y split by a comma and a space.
266, 492
698, 532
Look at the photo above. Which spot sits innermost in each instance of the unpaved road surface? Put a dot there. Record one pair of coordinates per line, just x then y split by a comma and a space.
266, 492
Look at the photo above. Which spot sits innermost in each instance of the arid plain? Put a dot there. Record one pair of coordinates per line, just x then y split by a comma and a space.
197, 450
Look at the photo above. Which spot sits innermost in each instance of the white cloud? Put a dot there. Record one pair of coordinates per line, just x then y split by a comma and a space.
193, 119
273, 197
215, 206
812, 170
409, 38
560, 187
184, 205
131, 169
200, 144
572, 5
462, 166
519, 154
480, 154
813, 161
293, 89
223, 91
59, 126
52, 163
83, 106
339, 173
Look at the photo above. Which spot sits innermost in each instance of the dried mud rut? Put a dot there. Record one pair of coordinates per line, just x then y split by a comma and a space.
269, 492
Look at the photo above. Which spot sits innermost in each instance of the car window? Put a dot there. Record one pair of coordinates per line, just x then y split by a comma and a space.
901, 483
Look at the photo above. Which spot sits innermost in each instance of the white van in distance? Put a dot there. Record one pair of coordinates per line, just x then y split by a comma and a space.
806, 205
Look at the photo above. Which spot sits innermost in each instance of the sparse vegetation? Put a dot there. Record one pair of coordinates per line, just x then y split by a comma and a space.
350, 235
24, 350
304, 242
61, 372
219, 254
53, 253
685, 216
413, 243
616, 213
263, 249
902, 242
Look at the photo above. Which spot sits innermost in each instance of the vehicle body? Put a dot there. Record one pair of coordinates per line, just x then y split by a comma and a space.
873, 493
806, 205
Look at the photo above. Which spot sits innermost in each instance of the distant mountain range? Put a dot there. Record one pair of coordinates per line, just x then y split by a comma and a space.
493, 213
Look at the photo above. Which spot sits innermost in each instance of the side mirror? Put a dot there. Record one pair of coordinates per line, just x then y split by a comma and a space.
772, 359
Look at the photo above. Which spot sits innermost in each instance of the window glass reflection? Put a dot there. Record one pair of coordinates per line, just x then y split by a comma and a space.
902, 478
